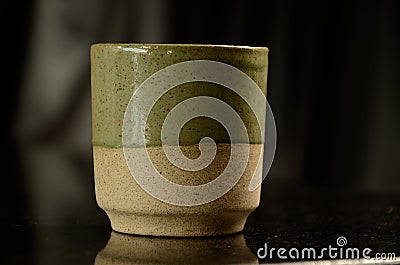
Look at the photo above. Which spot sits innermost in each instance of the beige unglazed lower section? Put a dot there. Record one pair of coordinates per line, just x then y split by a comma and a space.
132, 210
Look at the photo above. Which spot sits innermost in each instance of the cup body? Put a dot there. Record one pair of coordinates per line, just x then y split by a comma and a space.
118, 72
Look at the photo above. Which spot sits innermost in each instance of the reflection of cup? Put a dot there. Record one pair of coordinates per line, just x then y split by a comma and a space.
118, 70
127, 249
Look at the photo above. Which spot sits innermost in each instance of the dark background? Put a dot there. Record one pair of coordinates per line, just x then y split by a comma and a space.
334, 88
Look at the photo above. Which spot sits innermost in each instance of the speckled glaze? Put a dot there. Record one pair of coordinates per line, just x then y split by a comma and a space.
117, 70
126, 249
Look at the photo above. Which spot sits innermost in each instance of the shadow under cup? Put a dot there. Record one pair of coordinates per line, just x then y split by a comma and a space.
118, 72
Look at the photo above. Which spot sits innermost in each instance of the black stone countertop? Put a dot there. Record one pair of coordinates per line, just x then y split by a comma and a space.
295, 216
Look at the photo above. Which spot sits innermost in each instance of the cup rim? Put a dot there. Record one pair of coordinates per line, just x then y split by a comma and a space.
174, 45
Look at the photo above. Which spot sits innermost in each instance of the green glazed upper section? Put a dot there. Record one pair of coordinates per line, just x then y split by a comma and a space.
118, 69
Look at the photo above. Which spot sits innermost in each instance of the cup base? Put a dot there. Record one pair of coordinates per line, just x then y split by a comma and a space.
178, 226
133, 211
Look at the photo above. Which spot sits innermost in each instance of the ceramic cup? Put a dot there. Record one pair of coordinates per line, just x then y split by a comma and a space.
178, 135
